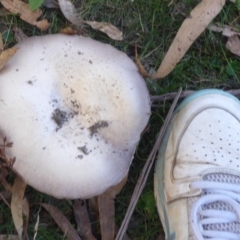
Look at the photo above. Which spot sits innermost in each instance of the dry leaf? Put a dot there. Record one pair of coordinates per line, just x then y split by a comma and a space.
82, 220
71, 13
226, 30
141, 68
189, 31
74, 31
107, 28
68, 31
21, 8
18, 190
233, 45
62, 222
107, 210
107, 216
6, 55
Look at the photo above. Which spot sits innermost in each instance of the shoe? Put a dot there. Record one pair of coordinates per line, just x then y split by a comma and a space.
197, 174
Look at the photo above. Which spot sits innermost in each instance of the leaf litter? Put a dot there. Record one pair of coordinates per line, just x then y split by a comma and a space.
225, 30
6, 55
31, 17
62, 222
106, 207
191, 28
19, 205
18, 191
233, 45
70, 12
82, 219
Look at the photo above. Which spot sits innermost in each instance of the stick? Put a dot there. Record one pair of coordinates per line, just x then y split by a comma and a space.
145, 172
172, 95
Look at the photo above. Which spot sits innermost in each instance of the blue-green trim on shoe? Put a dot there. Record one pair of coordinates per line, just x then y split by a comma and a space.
200, 93
160, 176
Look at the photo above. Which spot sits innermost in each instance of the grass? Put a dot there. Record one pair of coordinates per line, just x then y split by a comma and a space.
151, 25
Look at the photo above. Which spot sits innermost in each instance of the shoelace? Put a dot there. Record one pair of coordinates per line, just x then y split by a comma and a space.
216, 191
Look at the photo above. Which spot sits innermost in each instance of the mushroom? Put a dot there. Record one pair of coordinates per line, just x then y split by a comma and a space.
74, 109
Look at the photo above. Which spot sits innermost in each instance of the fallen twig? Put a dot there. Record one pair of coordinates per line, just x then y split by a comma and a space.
172, 95
145, 172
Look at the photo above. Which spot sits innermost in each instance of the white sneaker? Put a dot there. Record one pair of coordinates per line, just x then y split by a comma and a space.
197, 175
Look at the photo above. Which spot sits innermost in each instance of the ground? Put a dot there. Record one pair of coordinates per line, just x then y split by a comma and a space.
151, 25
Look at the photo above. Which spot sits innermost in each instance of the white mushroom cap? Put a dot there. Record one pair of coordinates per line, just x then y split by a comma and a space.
74, 109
